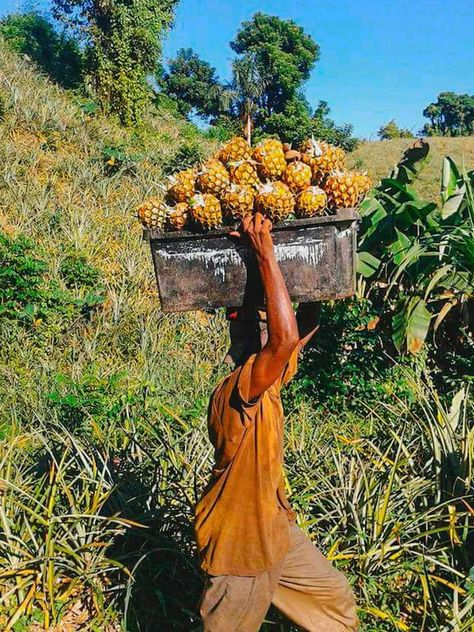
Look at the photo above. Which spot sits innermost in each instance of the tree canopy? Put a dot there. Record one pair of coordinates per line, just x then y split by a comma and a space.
282, 52
56, 54
450, 115
391, 130
124, 41
274, 58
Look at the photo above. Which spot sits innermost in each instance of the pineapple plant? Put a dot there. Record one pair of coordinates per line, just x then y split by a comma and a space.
270, 158
153, 213
178, 216
297, 176
235, 150
342, 190
182, 185
213, 178
322, 157
238, 201
275, 200
244, 172
310, 202
206, 211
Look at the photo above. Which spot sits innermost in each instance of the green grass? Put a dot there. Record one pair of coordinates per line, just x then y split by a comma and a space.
378, 158
103, 415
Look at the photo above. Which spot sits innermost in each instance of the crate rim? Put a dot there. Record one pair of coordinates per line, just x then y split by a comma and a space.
343, 215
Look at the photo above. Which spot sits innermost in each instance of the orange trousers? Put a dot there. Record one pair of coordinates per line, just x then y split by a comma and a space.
305, 587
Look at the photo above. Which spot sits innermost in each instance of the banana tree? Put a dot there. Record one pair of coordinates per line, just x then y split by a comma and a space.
418, 257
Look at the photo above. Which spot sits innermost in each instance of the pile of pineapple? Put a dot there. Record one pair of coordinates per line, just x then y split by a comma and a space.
272, 178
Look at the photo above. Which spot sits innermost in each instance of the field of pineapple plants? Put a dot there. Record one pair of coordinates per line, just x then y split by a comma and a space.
103, 446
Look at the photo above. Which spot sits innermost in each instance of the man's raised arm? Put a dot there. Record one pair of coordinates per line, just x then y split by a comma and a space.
283, 334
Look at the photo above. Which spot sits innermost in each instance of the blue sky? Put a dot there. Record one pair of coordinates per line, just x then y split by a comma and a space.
380, 59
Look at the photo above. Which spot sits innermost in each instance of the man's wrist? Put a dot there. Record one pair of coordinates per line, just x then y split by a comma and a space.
266, 257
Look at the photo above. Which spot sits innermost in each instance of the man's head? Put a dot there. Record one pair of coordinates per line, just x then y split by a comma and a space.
248, 332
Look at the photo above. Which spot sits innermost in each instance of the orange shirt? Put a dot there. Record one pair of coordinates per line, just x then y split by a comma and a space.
243, 517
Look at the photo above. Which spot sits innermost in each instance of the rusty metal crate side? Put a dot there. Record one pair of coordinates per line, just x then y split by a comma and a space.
196, 271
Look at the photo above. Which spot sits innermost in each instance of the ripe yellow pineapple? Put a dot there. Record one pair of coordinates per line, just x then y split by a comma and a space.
364, 183
238, 200
152, 213
236, 149
178, 216
322, 157
244, 172
311, 201
206, 210
213, 178
341, 189
182, 185
270, 159
297, 176
275, 200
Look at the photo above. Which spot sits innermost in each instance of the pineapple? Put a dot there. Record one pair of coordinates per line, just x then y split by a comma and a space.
244, 172
342, 190
275, 200
322, 157
270, 159
213, 178
364, 183
236, 149
237, 201
152, 213
297, 176
206, 210
311, 201
182, 185
178, 216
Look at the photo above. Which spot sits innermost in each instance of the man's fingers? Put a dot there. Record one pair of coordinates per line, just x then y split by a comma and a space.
235, 233
267, 225
246, 222
258, 221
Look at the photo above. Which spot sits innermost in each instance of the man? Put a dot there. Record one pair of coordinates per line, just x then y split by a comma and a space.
249, 544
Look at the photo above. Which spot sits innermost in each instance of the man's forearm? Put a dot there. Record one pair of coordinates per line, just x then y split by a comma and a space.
282, 325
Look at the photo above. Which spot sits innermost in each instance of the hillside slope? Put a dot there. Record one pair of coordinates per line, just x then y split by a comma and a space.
380, 156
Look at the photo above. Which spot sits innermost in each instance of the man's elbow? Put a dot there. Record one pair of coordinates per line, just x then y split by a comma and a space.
285, 343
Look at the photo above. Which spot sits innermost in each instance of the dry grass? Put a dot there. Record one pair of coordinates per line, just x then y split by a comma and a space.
379, 157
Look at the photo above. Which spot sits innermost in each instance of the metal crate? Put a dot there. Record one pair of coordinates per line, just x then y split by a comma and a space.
196, 271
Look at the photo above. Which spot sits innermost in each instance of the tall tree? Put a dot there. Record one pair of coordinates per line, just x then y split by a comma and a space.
282, 53
450, 115
124, 39
195, 86
391, 130
249, 86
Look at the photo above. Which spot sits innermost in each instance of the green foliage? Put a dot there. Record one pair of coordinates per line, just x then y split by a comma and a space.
29, 297
419, 258
56, 54
450, 115
118, 159
124, 44
283, 53
274, 59
188, 155
349, 364
76, 271
194, 84
391, 130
